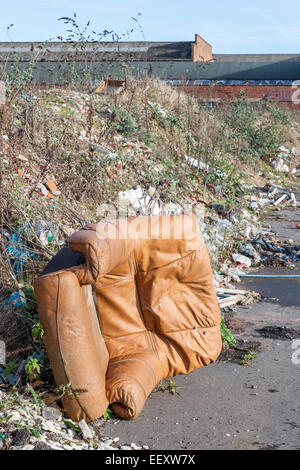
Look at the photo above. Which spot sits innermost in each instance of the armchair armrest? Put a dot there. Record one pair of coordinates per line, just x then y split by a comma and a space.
74, 343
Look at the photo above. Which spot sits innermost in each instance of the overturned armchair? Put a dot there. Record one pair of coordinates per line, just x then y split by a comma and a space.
128, 303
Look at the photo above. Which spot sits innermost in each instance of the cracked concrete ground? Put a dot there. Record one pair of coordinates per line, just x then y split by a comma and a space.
228, 405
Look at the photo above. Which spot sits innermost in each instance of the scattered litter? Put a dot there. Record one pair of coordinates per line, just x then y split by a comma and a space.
17, 299
227, 301
225, 225
241, 260
49, 412
2, 352
283, 161
51, 186
254, 205
158, 109
7, 378
139, 200
22, 158
87, 432
248, 250
44, 231
277, 195
42, 188
280, 165
280, 199
203, 166
17, 251
196, 163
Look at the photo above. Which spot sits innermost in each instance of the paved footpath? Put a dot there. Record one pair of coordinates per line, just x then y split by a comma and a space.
228, 405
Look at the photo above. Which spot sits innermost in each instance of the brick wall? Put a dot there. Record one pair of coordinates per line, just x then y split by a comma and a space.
201, 50
280, 94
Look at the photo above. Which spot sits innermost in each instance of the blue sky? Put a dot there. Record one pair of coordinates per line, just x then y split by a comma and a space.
231, 26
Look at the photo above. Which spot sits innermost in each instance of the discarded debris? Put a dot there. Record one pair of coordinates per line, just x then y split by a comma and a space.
49, 412
42, 189
17, 251
87, 432
229, 297
51, 186
230, 300
241, 260
2, 352
140, 201
275, 253
44, 231
247, 249
17, 299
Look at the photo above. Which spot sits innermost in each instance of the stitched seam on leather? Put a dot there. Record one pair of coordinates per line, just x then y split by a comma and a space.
125, 279
131, 378
187, 329
91, 248
137, 359
59, 348
107, 338
171, 262
148, 334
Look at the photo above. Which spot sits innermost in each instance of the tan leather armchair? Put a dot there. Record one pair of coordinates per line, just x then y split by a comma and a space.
129, 303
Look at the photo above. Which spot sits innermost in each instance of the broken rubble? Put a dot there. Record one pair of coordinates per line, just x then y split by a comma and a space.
42, 188
87, 432
51, 186
51, 413
280, 165
139, 201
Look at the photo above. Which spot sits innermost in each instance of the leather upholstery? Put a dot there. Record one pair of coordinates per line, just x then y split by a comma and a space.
141, 308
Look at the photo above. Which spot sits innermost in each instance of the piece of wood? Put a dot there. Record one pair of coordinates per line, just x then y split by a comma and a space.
281, 199
221, 290
232, 300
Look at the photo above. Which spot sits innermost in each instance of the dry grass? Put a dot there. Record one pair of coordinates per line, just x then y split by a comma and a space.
15, 331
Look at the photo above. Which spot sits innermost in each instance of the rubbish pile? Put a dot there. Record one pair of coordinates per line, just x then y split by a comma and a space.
272, 194
274, 253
